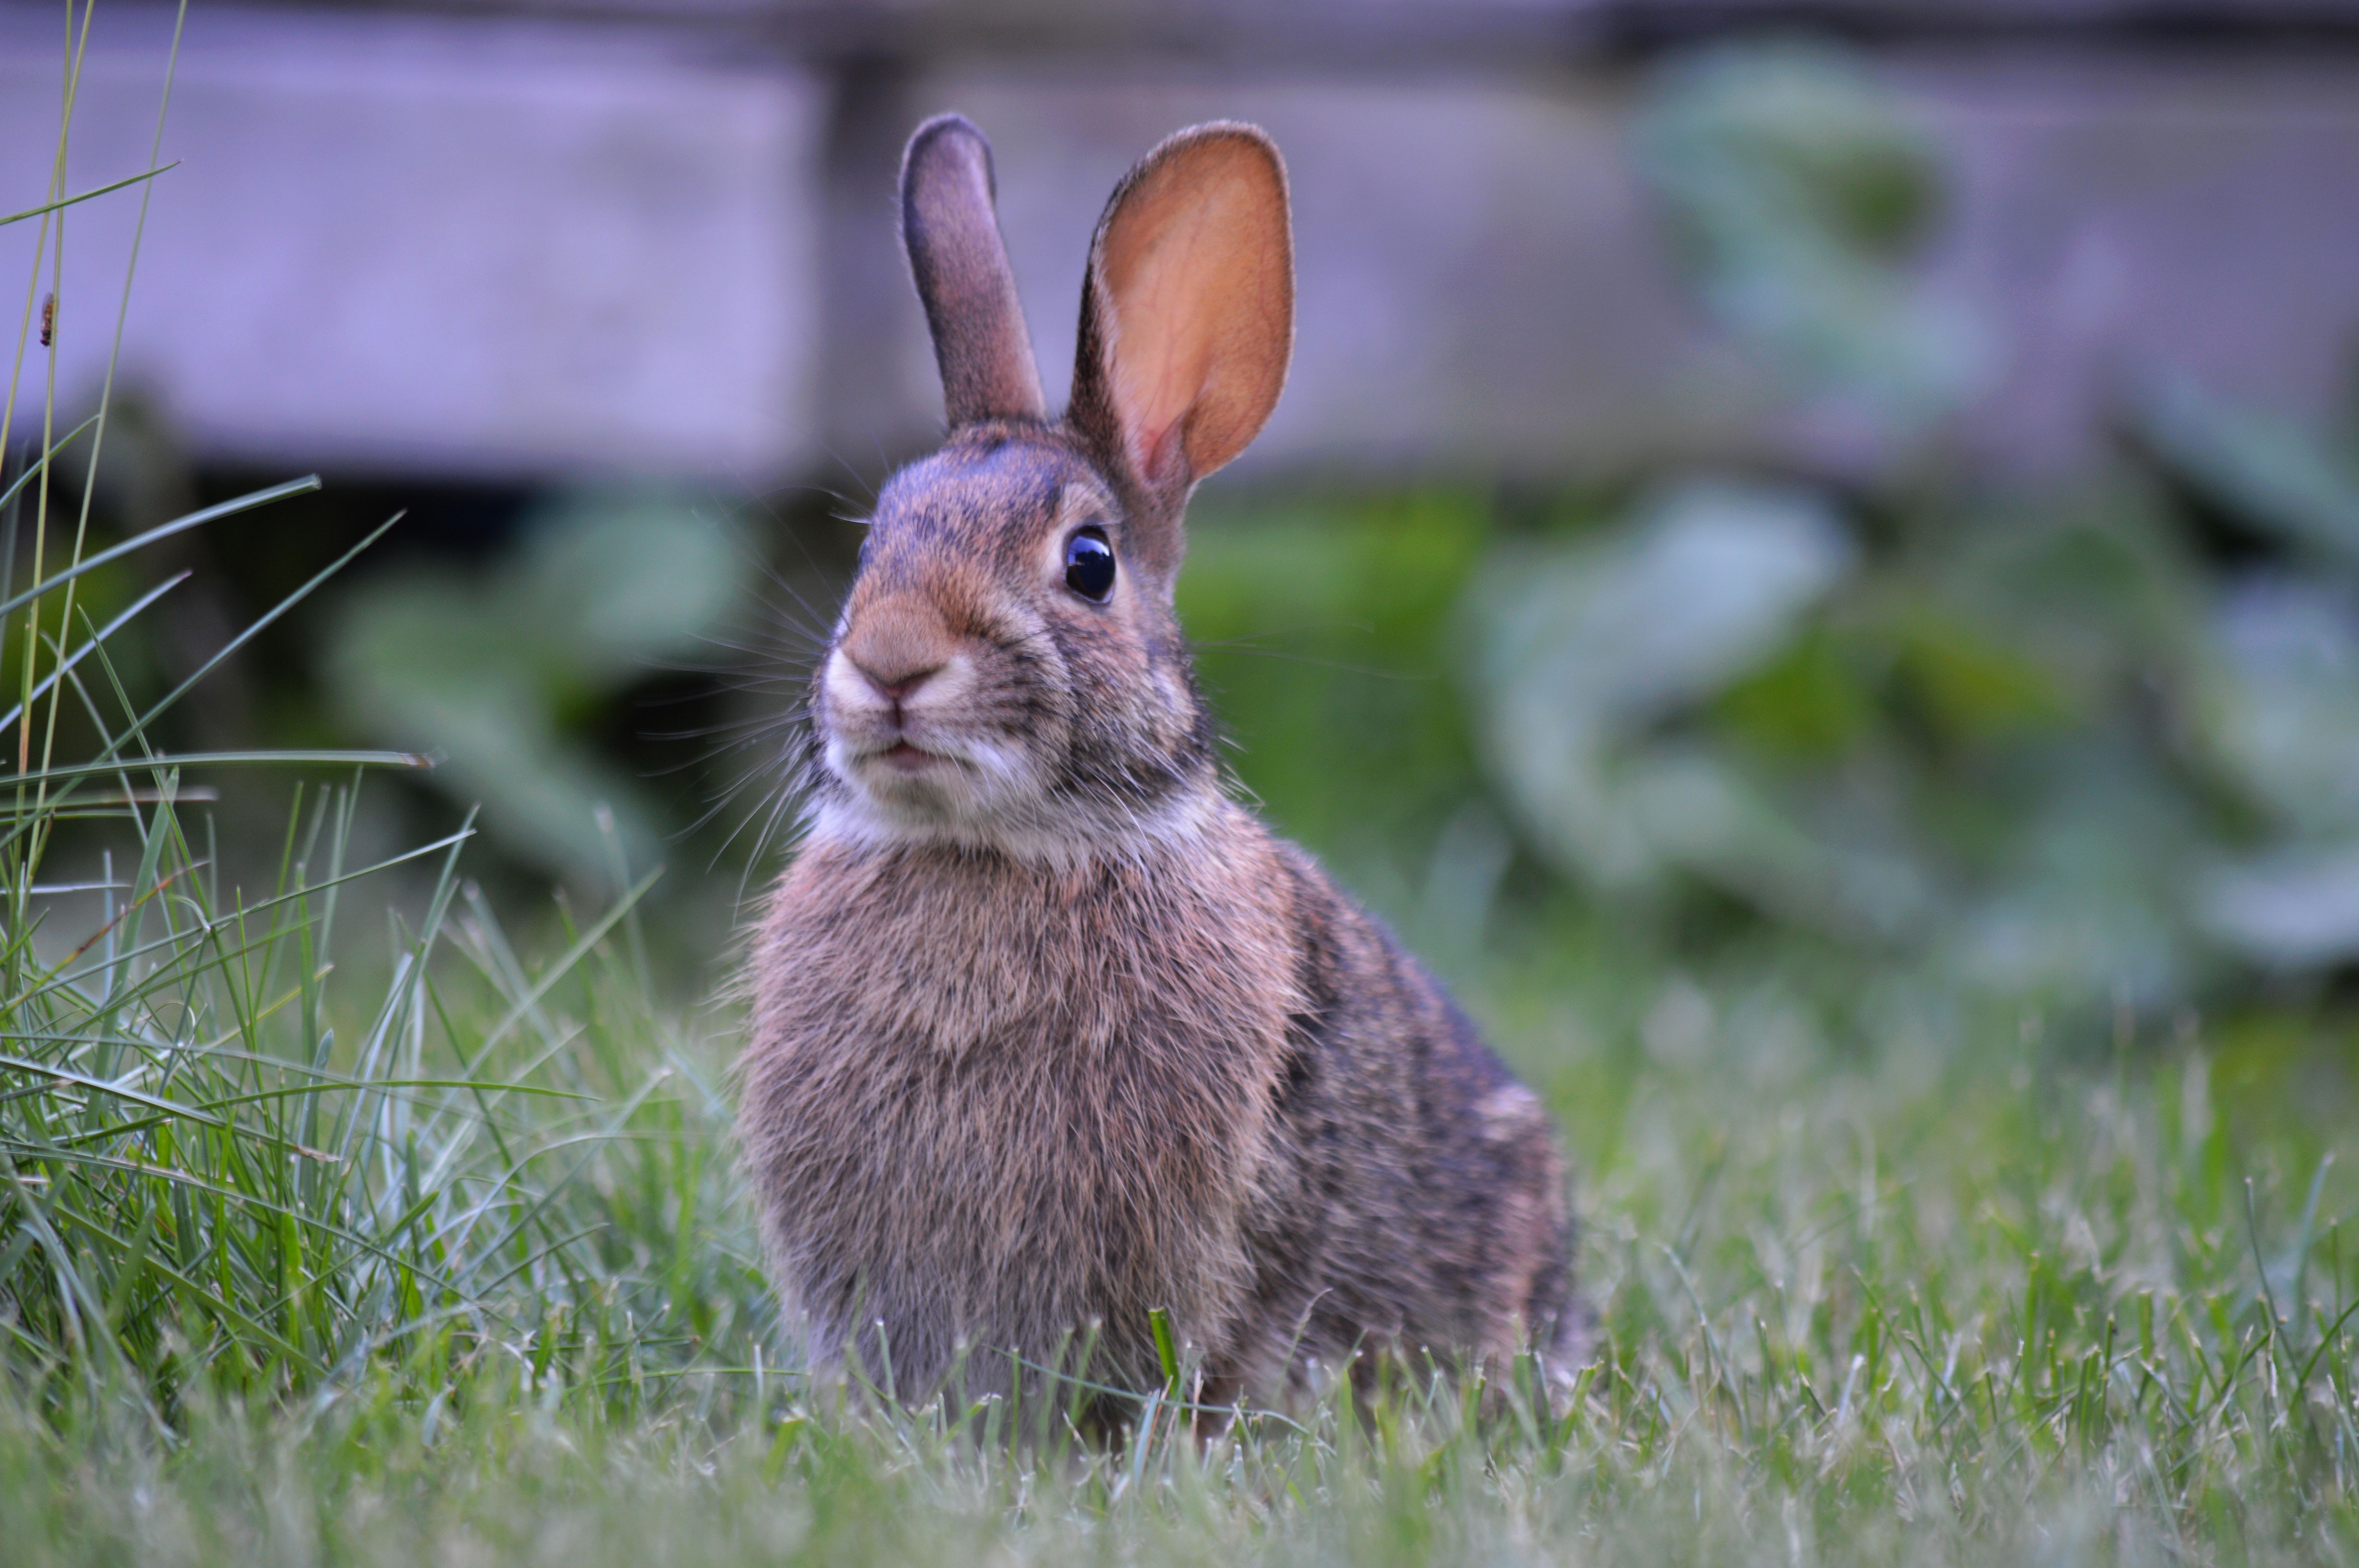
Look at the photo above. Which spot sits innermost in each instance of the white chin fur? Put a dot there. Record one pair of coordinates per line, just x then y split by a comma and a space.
1079, 836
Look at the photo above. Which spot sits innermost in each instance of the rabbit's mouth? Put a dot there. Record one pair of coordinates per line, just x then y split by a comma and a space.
902, 757
902, 768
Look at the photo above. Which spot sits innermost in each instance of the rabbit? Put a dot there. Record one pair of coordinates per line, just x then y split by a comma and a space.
1048, 1031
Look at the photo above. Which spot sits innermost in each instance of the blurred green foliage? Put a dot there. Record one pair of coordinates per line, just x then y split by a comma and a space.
499, 670
2092, 745
1318, 633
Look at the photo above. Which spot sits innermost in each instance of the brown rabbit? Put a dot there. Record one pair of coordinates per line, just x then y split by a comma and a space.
1048, 1031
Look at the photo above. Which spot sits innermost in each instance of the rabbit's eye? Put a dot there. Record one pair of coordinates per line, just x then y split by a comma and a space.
1089, 565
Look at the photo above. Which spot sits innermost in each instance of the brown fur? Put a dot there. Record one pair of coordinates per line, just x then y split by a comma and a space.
1049, 1032
963, 274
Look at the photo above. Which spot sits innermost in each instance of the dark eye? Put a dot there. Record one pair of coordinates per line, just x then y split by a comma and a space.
1089, 565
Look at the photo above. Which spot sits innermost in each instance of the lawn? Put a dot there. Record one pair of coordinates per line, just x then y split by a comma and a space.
460, 1270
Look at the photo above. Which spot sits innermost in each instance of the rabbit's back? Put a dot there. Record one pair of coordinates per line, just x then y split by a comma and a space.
1443, 1224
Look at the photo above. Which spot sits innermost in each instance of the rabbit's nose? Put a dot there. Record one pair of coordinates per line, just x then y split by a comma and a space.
897, 642
896, 688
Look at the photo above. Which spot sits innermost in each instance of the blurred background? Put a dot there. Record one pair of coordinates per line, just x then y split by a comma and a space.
1822, 519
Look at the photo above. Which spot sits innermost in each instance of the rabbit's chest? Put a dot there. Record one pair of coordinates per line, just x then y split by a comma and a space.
1052, 1095
1041, 1050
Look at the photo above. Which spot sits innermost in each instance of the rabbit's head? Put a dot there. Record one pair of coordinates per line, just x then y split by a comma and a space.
1008, 671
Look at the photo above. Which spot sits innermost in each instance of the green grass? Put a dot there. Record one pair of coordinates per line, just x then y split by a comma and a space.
215, 1183
465, 1273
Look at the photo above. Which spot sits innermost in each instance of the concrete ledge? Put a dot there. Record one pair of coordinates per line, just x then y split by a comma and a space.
505, 246
440, 245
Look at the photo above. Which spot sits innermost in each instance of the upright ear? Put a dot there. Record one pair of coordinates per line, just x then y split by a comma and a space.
960, 262
1187, 310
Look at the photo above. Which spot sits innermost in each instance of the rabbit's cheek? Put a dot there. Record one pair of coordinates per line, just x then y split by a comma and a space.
1178, 700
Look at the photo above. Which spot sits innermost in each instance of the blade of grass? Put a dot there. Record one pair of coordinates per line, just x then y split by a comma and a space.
163, 530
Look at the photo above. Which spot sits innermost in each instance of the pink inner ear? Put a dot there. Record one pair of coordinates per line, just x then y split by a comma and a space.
1161, 370
1170, 288
1193, 286
1160, 459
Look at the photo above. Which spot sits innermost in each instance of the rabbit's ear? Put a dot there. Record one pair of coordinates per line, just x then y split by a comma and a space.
1187, 310
961, 266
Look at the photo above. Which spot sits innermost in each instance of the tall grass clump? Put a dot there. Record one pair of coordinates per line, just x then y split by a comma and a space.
224, 1171
219, 1171
204, 1185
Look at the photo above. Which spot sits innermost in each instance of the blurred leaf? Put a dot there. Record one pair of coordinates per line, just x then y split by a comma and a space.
1582, 648
1811, 702
613, 583
1795, 187
1972, 685
2286, 716
2295, 909
1702, 813
2090, 584
1802, 128
2269, 473
2087, 898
